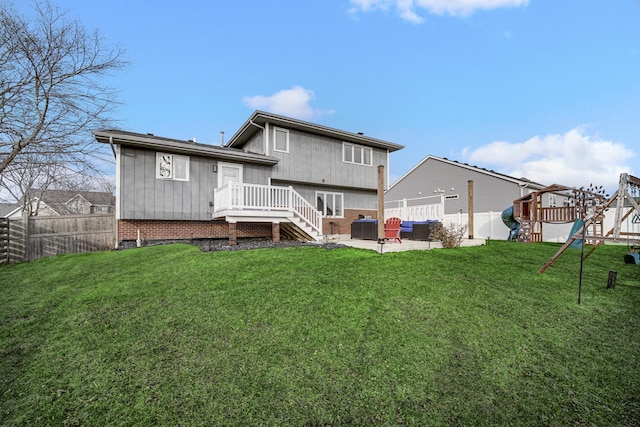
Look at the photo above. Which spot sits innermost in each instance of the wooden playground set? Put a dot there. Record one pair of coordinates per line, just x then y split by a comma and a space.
585, 209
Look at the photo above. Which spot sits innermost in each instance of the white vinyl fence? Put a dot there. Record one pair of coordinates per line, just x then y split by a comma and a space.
490, 225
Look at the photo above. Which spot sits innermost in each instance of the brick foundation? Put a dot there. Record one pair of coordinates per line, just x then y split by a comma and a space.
186, 230
233, 233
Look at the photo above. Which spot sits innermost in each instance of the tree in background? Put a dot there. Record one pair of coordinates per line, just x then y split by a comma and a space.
51, 98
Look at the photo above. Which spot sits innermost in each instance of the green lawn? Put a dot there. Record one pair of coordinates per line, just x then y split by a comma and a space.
307, 336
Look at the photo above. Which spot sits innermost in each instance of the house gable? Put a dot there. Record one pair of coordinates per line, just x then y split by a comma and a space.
311, 154
434, 175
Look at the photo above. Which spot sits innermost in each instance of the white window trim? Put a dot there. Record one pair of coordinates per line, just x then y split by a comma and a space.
332, 193
173, 157
353, 146
286, 131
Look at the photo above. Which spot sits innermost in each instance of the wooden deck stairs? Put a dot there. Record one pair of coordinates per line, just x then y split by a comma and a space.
296, 229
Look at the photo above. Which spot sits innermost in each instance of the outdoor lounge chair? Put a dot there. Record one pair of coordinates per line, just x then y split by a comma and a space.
392, 229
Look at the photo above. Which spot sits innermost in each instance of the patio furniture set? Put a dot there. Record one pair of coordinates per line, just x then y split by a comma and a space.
395, 229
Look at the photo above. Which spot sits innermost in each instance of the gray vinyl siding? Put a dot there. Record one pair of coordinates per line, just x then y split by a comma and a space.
149, 198
352, 198
313, 158
255, 144
256, 174
491, 192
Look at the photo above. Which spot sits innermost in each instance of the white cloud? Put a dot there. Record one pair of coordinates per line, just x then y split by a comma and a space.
573, 158
407, 8
294, 102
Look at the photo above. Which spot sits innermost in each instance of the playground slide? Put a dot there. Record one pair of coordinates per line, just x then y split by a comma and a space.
511, 222
577, 225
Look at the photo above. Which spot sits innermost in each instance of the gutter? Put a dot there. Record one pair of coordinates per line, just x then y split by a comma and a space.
191, 149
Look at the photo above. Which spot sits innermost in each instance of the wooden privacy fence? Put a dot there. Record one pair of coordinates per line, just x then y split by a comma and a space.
32, 238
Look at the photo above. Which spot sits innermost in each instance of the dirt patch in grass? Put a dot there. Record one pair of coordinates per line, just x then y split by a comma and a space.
212, 245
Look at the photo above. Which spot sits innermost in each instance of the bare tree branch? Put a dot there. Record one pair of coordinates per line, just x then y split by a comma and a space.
50, 94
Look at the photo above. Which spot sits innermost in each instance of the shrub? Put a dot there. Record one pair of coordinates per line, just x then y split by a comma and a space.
451, 235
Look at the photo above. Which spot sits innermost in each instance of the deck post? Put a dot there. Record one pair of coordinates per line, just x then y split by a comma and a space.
470, 205
381, 203
275, 232
233, 234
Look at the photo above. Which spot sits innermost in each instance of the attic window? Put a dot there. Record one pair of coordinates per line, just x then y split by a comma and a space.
356, 154
280, 140
172, 167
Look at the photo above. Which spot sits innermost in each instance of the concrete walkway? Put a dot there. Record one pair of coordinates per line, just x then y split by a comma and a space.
391, 246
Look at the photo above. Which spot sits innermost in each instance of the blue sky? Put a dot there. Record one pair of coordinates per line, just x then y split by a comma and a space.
545, 89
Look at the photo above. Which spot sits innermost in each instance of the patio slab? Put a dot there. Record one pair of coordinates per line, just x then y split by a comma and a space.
406, 245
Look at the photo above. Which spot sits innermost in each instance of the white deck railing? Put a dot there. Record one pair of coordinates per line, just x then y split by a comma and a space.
239, 196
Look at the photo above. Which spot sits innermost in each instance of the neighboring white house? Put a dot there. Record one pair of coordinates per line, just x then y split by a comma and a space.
64, 202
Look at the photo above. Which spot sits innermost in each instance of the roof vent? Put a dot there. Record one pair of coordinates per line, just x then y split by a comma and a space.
150, 134
360, 133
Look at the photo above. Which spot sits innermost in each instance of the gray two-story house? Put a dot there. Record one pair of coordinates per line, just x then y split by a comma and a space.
275, 176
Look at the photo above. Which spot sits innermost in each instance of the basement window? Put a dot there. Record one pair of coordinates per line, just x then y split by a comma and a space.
330, 204
172, 167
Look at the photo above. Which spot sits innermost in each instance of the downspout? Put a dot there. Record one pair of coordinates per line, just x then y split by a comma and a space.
386, 187
264, 136
113, 148
118, 195
523, 185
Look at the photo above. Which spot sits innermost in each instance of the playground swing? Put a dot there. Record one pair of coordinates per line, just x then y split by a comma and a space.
628, 185
632, 256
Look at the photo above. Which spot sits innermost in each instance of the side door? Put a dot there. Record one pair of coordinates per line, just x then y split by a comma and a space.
229, 173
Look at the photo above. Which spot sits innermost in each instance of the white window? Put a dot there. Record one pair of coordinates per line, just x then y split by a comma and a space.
280, 140
553, 201
356, 154
330, 204
172, 166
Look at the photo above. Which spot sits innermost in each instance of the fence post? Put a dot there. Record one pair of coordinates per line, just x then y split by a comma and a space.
611, 281
470, 208
25, 237
6, 241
